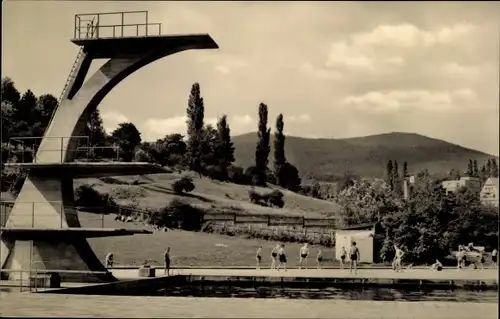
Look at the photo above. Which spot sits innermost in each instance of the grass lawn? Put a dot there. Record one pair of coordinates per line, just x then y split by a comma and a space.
187, 248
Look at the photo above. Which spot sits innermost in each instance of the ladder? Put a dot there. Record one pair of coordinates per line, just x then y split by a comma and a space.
91, 30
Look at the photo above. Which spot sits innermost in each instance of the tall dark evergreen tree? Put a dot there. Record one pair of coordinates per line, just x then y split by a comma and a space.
494, 168
390, 175
279, 149
475, 170
396, 179
470, 169
263, 146
195, 121
488, 168
405, 170
224, 150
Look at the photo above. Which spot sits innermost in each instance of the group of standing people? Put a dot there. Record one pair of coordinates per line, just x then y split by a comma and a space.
279, 259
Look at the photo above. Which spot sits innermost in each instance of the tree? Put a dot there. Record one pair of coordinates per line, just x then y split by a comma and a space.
279, 149
396, 179
263, 148
488, 168
128, 137
95, 130
405, 170
454, 174
366, 202
390, 175
470, 169
169, 150
494, 168
288, 177
224, 150
195, 120
475, 170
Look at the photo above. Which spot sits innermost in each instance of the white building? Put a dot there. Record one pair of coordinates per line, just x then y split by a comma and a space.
489, 192
363, 238
471, 183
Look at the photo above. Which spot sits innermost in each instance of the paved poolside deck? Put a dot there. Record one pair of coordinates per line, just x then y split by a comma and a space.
423, 274
17, 304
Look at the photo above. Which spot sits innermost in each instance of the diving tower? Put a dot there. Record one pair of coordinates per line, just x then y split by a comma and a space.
43, 227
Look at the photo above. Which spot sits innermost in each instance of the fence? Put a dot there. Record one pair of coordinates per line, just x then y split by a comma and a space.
25, 149
26, 216
115, 25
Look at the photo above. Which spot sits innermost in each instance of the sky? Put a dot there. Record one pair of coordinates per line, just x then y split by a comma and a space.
334, 69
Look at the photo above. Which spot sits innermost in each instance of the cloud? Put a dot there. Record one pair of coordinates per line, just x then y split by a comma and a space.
395, 101
224, 63
302, 118
321, 74
369, 50
111, 119
455, 69
156, 128
409, 35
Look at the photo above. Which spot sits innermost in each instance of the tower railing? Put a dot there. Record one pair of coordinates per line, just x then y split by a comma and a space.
26, 149
115, 25
31, 214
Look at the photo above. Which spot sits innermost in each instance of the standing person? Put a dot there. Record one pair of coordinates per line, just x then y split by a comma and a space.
274, 256
354, 255
258, 257
481, 259
461, 257
304, 252
281, 257
398, 258
343, 254
319, 259
110, 260
166, 258
494, 254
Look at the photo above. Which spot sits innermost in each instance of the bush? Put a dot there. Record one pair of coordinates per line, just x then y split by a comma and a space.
185, 184
271, 199
179, 214
236, 175
93, 201
143, 156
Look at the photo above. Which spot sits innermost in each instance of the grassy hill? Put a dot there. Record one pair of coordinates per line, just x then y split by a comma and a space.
156, 192
366, 156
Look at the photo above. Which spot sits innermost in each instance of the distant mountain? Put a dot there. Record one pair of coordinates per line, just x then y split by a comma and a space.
366, 156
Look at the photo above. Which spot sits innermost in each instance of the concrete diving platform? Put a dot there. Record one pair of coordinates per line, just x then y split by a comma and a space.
89, 169
60, 233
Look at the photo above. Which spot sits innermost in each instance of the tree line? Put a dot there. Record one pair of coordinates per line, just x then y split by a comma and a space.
205, 149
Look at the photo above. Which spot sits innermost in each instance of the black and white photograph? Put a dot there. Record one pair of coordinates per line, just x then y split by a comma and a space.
250, 159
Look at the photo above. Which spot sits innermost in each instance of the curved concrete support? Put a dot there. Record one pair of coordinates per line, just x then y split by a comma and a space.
72, 115
55, 193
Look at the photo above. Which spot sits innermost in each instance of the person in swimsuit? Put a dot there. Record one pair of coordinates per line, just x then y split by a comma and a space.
166, 259
354, 255
397, 258
343, 254
281, 258
461, 257
274, 256
319, 259
481, 259
437, 265
110, 260
258, 257
494, 257
304, 252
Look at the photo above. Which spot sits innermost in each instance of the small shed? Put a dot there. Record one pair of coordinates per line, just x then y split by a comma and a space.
363, 235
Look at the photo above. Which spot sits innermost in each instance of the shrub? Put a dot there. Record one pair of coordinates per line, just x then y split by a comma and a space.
179, 214
93, 201
272, 199
143, 156
184, 184
236, 175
